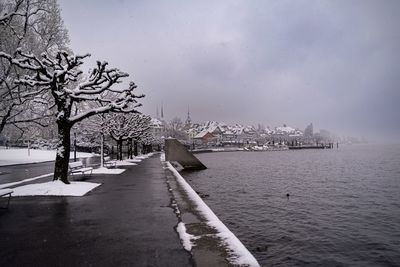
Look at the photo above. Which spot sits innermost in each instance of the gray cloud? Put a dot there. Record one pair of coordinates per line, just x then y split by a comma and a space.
333, 63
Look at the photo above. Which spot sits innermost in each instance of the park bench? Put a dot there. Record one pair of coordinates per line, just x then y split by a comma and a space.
108, 163
78, 167
4, 192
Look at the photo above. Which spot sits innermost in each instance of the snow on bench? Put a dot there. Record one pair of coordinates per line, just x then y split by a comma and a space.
5, 192
78, 167
108, 163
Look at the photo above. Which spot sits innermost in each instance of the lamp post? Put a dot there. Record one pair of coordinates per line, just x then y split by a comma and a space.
102, 151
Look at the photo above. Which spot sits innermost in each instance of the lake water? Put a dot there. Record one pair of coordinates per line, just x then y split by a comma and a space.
343, 209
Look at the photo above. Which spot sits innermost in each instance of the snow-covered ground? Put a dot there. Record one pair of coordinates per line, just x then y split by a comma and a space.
20, 156
144, 156
55, 188
108, 171
239, 255
125, 162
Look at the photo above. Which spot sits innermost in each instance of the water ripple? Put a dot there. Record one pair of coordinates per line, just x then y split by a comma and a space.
343, 208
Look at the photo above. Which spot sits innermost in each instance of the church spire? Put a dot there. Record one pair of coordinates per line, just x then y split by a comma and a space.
188, 121
162, 111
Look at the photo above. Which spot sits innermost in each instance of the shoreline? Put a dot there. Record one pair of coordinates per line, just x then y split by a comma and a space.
206, 237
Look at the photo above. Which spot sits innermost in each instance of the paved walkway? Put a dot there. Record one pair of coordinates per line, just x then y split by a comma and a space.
125, 222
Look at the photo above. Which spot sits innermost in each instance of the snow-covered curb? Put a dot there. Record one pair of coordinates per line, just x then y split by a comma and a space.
55, 188
108, 171
134, 160
238, 252
125, 162
144, 156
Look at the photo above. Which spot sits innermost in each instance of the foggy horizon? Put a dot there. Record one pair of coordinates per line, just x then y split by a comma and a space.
330, 63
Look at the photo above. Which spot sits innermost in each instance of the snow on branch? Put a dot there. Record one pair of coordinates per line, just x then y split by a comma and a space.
4, 18
125, 126
59, 77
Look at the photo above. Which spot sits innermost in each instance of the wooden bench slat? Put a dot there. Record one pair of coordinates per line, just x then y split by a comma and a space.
107, 162
5, 191
78, 167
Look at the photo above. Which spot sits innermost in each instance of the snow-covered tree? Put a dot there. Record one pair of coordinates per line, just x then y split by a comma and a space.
58, 78
126, 127
175, 128
147, 139
36, 27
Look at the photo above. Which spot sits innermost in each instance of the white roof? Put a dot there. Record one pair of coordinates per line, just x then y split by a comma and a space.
201, 134
286, 129
155, 122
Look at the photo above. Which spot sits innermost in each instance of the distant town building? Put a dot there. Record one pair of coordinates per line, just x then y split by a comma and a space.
205, 137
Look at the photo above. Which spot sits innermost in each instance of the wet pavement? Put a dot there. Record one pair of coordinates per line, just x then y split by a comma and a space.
15, 173
127, 221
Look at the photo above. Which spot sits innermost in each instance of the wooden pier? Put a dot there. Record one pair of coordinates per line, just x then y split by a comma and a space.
319, 146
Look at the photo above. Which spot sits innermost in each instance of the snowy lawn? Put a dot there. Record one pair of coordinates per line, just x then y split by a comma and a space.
55, 188
20, 156
108, 171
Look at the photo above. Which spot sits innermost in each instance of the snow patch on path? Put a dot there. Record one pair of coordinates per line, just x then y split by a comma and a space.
123, 163
108, 171
145, 156
238, 252
55, 188
186, 239
162, 157
134, 160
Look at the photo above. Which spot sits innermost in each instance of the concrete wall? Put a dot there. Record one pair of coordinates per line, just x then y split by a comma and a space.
175, 151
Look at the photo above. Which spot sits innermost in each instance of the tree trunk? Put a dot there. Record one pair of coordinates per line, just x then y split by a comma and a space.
5, 118
63, 150
117, 150
132, 148
129, 148
120, 149
135, 148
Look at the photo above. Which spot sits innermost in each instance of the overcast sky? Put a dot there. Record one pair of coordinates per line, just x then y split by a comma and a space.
333, 63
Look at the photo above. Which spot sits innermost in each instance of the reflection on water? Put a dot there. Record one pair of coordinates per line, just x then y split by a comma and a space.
343, 208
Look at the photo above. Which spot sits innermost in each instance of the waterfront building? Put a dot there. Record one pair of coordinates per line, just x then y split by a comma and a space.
205, 138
